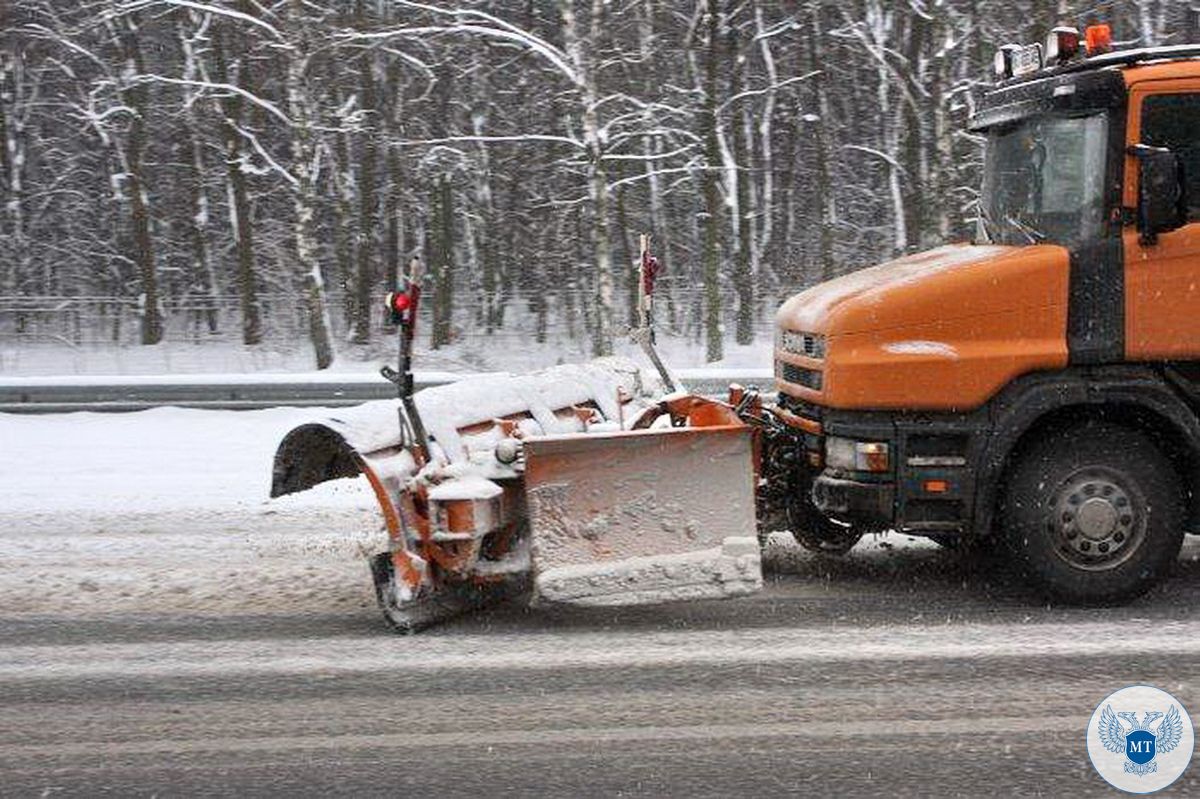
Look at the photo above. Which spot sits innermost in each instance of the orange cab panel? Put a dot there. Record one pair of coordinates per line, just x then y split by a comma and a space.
1162, 277
940, 330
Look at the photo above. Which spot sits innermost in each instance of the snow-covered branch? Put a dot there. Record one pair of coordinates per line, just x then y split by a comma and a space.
207, 8
880, 154
521, 138
262, 103
497, 30
767, 89
266, 156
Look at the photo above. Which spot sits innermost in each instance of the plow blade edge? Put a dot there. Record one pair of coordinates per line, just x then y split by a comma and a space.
643, 517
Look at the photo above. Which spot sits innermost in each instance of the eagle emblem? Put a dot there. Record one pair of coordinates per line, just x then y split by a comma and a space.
1139, 744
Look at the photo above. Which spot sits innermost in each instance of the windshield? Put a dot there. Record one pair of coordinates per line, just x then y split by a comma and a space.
1044, 180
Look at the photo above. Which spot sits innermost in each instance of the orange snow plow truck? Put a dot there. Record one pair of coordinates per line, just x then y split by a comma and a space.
1037, 390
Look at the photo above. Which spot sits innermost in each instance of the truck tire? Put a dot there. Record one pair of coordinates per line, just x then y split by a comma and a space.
816, 533
1093, 514
446, 602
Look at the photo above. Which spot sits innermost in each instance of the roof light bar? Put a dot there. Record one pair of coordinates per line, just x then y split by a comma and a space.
1064, 50
1002, 63
1013, 60
1062, 45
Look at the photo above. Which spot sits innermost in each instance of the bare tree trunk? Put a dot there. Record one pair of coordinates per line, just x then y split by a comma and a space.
393, 205
135, 97
625, 257
762, 243
602, 332
823, 185
304, 156
442, 259
17, 96
880, 22
203, 275
367, 212
917, 116
712, 202
396, 244
661, 233
239, 201
483, 240
743, 277
343, 180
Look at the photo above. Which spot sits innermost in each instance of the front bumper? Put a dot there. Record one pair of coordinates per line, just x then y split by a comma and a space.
860, 503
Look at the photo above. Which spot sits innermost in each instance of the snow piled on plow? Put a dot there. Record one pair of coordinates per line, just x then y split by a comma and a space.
445, 410
731, 570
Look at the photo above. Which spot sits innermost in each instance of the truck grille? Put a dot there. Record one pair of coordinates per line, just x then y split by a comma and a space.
790, 373
810, 345
800, 407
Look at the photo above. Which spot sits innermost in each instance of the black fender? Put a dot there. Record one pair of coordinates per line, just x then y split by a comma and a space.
1110, 391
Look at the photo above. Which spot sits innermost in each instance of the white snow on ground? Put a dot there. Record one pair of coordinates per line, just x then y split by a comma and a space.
331, 378
160, 459
476, 354
764, 376
166, 510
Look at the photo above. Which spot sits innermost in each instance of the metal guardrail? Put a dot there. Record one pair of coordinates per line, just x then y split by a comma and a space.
251, 392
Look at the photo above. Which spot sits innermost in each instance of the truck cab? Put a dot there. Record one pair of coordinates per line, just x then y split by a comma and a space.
1035, 389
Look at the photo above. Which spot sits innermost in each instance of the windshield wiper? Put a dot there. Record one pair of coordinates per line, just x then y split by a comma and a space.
1034, 235
985, 222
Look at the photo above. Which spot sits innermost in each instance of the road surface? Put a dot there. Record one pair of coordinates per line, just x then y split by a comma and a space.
144, 657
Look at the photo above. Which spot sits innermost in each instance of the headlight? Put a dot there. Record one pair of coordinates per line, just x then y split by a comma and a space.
849, 455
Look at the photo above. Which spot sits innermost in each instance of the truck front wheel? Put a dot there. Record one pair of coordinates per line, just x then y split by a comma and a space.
816, 533
1093, 514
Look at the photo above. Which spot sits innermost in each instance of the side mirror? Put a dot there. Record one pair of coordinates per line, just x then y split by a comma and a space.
1161, 203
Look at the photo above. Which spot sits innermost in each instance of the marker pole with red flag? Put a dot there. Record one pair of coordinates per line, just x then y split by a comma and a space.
403, 305
648, 270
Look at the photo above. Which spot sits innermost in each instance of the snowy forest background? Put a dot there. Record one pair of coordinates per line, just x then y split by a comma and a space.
224, 173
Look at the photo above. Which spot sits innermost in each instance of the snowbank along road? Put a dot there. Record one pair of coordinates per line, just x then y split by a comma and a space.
166, 630
218, 391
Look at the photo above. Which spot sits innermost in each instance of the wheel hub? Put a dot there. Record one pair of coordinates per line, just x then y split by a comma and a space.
1094, 520
1097, 518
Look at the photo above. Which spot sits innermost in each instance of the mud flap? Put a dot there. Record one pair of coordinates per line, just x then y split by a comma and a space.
643, 517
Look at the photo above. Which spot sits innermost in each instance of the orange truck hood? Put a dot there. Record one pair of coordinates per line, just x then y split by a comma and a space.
943, 329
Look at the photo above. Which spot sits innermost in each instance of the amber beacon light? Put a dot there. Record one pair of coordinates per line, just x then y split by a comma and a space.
1098, 39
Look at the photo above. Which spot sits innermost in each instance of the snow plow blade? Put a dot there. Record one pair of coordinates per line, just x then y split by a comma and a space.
643, 516
578, 484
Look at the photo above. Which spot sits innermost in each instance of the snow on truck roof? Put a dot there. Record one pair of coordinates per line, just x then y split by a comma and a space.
1115, 59
1081, 85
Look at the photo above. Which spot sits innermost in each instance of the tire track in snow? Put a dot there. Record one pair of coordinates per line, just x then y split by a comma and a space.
509, 653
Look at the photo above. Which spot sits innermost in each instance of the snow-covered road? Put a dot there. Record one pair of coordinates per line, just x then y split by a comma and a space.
167, 510
165, 625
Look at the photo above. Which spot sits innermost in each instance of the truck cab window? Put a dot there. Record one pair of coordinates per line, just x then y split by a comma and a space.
1043, 180
1173, 121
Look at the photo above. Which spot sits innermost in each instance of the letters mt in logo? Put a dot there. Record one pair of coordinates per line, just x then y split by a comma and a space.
1139, 744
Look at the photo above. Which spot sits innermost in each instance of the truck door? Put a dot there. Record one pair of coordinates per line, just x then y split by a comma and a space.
1162, 279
